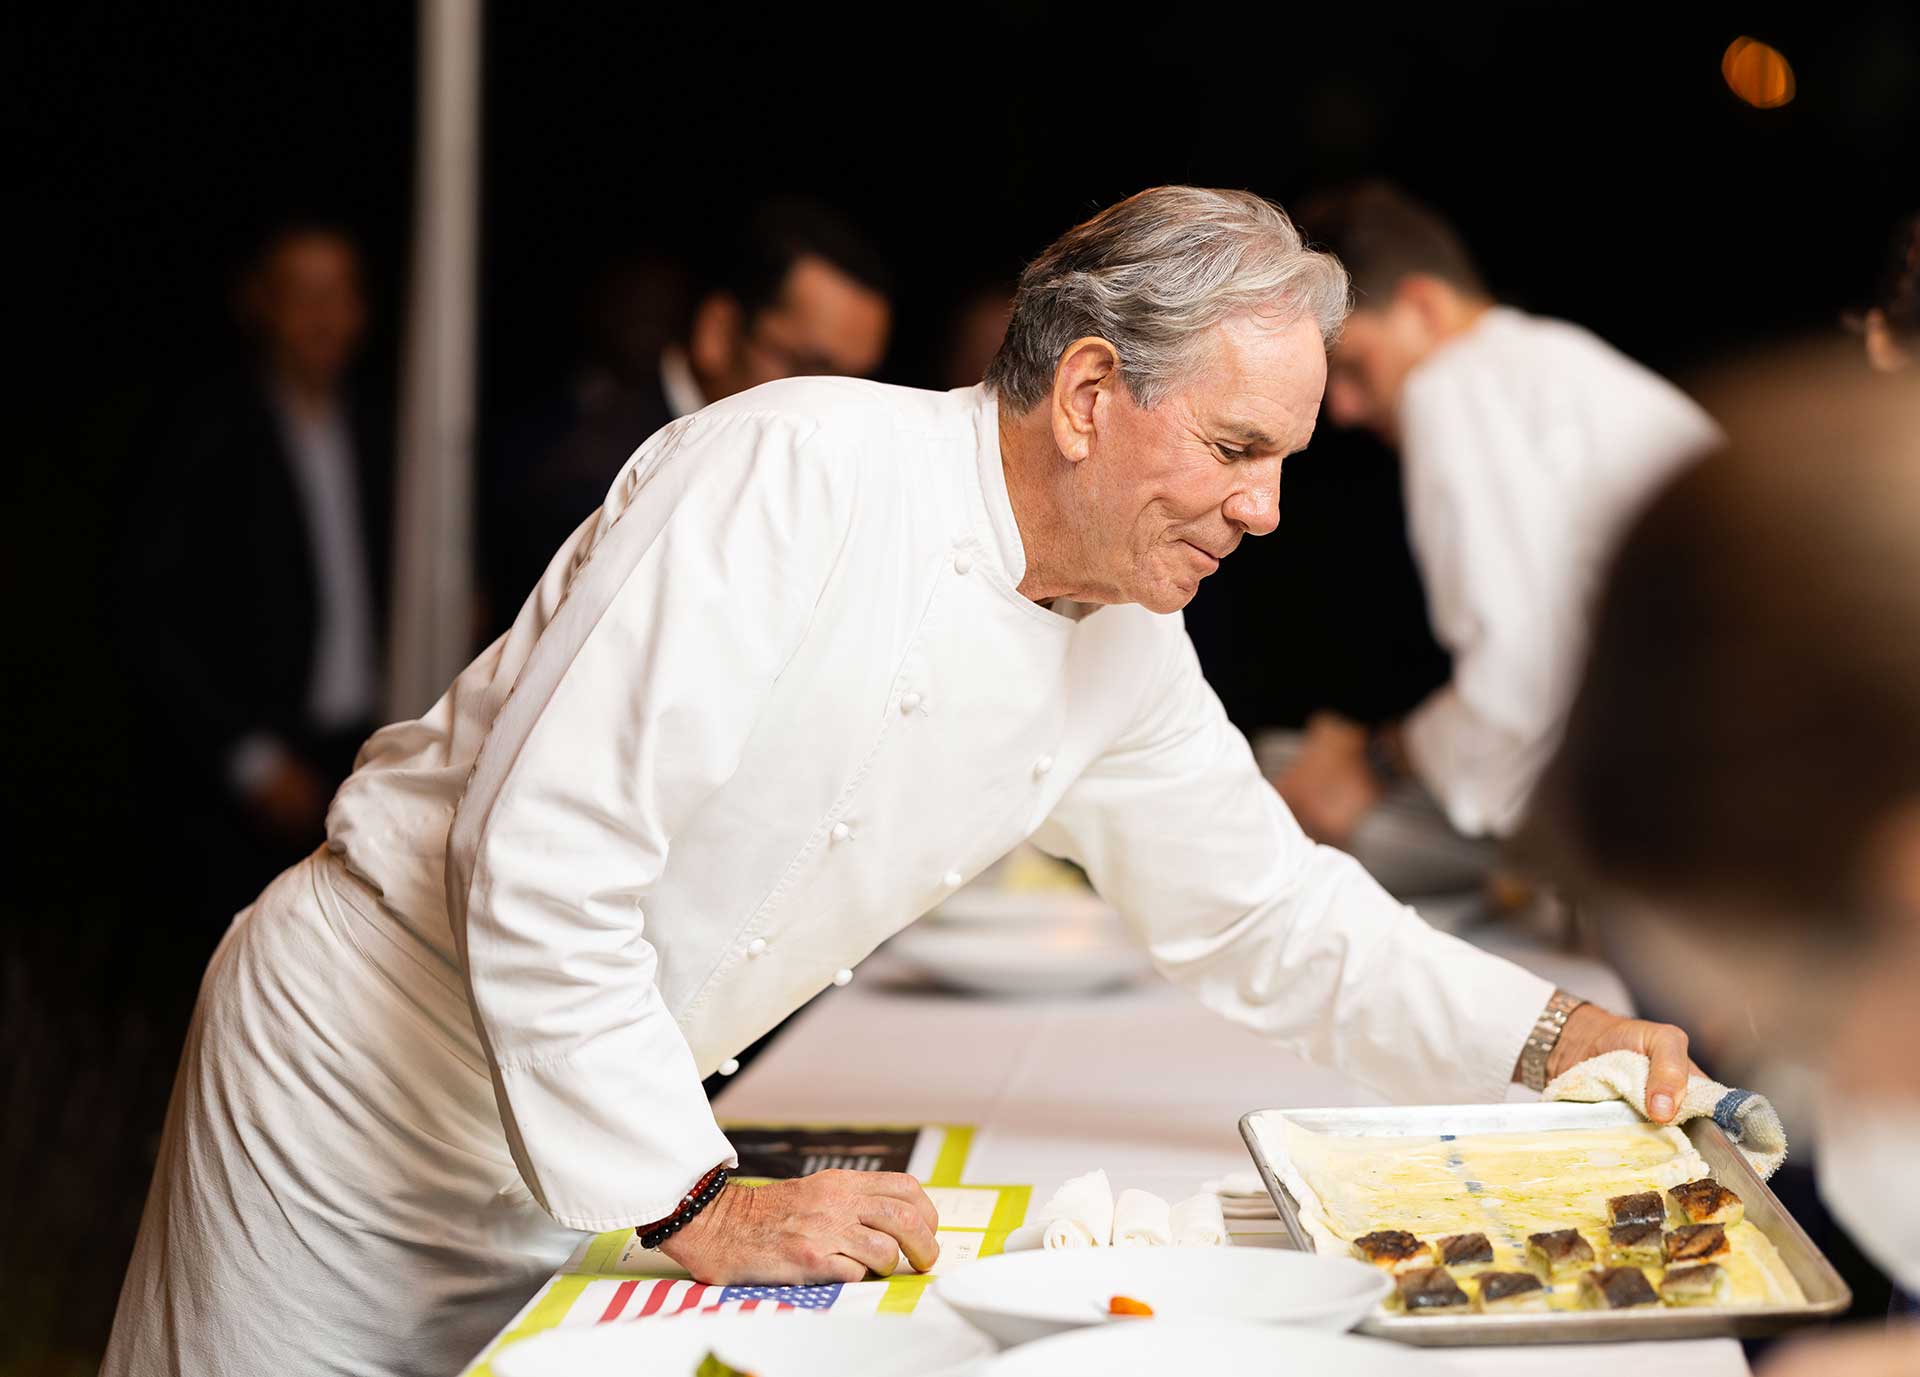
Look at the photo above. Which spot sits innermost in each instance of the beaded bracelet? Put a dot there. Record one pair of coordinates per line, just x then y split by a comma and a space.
694, 1201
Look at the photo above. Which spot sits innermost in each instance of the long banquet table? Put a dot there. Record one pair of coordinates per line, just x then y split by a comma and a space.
1143, 1082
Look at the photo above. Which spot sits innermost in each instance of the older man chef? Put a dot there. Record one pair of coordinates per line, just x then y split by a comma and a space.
827, 649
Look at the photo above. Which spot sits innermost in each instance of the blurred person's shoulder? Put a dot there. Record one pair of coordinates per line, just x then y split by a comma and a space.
1545, 365
207, 433
215, 402
1562, 351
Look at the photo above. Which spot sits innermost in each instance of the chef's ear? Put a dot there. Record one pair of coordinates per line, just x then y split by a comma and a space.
1083, 386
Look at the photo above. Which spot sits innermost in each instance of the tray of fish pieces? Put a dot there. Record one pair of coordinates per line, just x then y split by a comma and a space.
1543, 1223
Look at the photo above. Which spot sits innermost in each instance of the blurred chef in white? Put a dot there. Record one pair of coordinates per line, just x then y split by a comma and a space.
1525, 442
828, 649
1756, 653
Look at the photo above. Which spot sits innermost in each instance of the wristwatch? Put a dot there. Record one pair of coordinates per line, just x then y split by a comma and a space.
1544, 1038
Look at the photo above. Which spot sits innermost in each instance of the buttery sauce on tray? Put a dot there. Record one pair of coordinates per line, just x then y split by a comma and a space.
1509, 1185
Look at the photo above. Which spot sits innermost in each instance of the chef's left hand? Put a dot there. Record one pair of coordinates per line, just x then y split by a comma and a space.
1592, 1030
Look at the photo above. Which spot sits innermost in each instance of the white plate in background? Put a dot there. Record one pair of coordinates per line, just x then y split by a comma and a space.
1021, 1297
1029, 908
1005, 960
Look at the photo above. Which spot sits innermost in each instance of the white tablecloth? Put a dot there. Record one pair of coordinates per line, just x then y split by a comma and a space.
1143, 1082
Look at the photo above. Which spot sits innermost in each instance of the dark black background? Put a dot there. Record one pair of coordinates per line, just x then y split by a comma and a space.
1590, 152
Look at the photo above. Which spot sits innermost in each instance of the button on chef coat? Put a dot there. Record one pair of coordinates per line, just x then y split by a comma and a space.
687, 743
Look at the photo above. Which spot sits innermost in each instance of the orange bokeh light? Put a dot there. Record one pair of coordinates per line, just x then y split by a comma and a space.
1757, 74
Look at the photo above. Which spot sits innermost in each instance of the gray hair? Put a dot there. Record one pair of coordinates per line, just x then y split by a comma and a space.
1153, 275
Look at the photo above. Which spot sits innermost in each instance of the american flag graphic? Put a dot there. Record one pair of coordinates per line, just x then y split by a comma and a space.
642, 1298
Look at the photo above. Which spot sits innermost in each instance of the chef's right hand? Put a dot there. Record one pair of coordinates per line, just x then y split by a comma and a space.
831, 1226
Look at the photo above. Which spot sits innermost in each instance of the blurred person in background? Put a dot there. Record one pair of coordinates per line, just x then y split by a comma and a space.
1740, 777
800, 292
253, 589
1524, 443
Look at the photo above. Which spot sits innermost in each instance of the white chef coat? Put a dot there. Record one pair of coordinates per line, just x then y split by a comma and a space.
1527, 444
776, 698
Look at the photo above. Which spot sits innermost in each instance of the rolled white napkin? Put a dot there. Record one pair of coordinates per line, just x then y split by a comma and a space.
1080, 1215
1197, 1222
1141, 1220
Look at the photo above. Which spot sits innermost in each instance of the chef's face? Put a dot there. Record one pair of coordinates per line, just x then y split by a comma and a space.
1172, 488
1377, 349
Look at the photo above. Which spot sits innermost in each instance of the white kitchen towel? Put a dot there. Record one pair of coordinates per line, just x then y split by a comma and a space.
1197, 1222
1747, 1118
1080, 1214
1141, 1219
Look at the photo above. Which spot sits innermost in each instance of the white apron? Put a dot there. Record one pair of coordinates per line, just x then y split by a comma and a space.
334, 1193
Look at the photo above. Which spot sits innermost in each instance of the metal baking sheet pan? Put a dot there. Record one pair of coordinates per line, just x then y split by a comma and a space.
1827, 1295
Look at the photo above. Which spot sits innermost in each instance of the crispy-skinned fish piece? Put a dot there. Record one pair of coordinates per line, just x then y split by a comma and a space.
1635, 1245
1393, 1250
1617, 1288
1642, 1207
1502, 1293
1706, 1284
1464, 1251
1560, 1253
1696, 1243
1706, 1201
1430, 1291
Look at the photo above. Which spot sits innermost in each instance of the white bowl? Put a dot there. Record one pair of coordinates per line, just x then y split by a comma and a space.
1020, 1297
1004, 960
1153, 1348
784, 1344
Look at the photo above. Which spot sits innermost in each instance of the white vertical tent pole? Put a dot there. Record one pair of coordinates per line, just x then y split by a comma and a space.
433, 572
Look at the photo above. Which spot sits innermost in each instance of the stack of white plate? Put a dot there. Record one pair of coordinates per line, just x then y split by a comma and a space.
1023, 942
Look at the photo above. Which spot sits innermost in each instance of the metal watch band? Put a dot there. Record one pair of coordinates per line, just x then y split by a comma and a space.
1544, 1038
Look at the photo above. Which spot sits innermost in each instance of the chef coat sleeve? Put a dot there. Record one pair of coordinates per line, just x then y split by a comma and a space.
634, 706
1179, 831
1488, 487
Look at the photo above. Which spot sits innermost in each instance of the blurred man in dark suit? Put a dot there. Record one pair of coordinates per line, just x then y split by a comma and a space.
254, 590
799, 292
